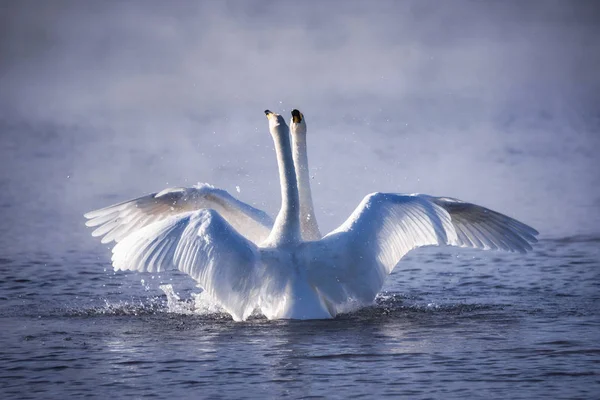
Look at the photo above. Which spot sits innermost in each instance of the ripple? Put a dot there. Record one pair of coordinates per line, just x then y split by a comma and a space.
564, 373
121, 308
576, 239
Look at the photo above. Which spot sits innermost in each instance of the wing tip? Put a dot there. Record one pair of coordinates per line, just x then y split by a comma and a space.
92, 222
104, 211
91, 214
534, 232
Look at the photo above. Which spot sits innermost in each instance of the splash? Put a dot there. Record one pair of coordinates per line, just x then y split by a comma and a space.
199, 304
139, 307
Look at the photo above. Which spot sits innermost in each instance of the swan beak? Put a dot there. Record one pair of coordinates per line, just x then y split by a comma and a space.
269, 114
297, 116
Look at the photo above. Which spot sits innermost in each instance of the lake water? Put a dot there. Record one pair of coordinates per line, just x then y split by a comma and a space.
451, 324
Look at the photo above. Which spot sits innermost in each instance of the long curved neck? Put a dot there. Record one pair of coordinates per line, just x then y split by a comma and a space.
286, 229
308, 221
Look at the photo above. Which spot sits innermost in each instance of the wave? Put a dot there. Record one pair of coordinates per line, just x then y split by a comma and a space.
582, 238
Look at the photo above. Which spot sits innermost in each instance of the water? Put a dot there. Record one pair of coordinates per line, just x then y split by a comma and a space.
450, 324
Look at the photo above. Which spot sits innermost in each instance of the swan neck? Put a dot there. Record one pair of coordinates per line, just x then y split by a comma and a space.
286, 229
308, 221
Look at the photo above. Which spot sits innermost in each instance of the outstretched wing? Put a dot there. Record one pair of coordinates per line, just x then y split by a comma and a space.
117, 221
351, 263
203, 245
481, 228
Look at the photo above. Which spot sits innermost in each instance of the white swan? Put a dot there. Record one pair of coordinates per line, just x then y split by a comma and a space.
289, 278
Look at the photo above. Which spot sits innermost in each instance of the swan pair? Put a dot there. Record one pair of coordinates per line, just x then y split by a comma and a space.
244, 260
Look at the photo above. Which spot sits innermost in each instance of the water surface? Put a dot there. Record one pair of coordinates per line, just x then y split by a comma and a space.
451, 323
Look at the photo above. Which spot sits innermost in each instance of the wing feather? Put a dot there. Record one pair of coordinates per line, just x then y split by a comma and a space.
486, 226
118, 221
351, 262
203, 245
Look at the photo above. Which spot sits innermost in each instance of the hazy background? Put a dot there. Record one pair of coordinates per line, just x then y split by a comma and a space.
496, 103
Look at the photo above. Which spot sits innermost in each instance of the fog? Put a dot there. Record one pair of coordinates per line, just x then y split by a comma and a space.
490, 102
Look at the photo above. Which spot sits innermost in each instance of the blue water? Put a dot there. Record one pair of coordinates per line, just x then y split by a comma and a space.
450, 324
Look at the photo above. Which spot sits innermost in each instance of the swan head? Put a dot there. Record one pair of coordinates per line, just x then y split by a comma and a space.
277, 125
298, 123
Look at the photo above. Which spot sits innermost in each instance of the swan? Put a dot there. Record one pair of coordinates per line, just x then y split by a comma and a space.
287, 277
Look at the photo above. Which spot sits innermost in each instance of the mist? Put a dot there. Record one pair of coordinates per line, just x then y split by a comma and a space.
490, 102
